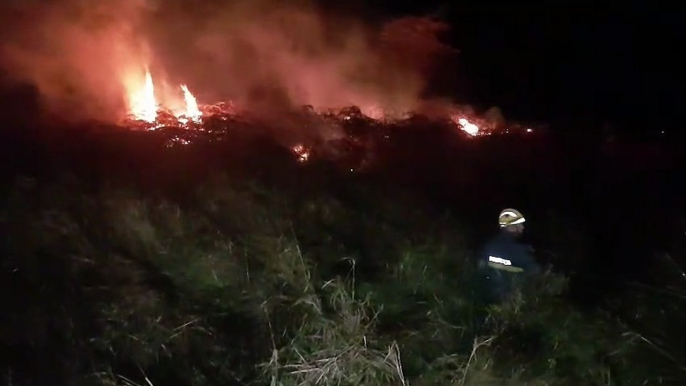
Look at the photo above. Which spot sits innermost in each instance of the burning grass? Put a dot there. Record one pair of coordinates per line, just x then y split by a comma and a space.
148, 112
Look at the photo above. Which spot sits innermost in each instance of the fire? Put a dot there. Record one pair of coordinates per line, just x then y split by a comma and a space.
302, 152
469, 127
155, 107
143, 103
192, 111
144, 106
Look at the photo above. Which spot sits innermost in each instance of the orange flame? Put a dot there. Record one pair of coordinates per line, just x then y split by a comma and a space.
302, 152
468, 127
192, 111
142, 103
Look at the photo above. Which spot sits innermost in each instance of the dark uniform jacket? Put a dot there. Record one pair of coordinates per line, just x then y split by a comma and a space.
500, 261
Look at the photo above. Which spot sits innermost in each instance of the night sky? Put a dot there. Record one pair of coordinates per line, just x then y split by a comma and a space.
580, 65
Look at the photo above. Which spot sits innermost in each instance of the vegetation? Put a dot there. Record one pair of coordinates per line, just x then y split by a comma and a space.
291, 274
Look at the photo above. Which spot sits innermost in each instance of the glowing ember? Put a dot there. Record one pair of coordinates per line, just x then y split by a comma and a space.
142, 102
177, 141
302, 153
468, 127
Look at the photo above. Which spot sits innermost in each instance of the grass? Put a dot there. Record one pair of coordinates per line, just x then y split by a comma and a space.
239, 285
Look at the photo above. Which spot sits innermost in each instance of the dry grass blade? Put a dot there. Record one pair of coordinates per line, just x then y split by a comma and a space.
472, 356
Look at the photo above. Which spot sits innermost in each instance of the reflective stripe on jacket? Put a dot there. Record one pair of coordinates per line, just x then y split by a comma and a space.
501, 259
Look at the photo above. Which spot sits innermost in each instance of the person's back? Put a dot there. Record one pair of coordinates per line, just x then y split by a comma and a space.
504, 257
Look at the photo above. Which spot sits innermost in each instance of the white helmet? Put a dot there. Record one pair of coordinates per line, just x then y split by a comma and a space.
510, 217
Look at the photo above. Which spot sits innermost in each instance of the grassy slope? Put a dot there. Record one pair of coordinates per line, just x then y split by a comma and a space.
159, 275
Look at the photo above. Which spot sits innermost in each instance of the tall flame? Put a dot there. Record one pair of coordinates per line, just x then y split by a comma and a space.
142, 102
192, 111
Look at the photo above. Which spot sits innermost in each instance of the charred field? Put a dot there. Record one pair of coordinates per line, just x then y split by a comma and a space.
246, 250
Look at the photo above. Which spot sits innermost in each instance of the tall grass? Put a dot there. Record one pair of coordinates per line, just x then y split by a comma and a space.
236, 284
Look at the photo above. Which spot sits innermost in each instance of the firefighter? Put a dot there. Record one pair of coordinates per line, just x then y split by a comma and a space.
503, 258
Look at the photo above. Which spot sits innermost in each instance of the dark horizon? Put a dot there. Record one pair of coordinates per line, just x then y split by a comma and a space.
617, 66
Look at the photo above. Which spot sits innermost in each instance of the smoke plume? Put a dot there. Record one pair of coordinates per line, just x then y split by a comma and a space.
82, 54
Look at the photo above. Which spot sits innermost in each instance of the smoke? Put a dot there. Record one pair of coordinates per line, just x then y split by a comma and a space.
83, 55
73, 52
